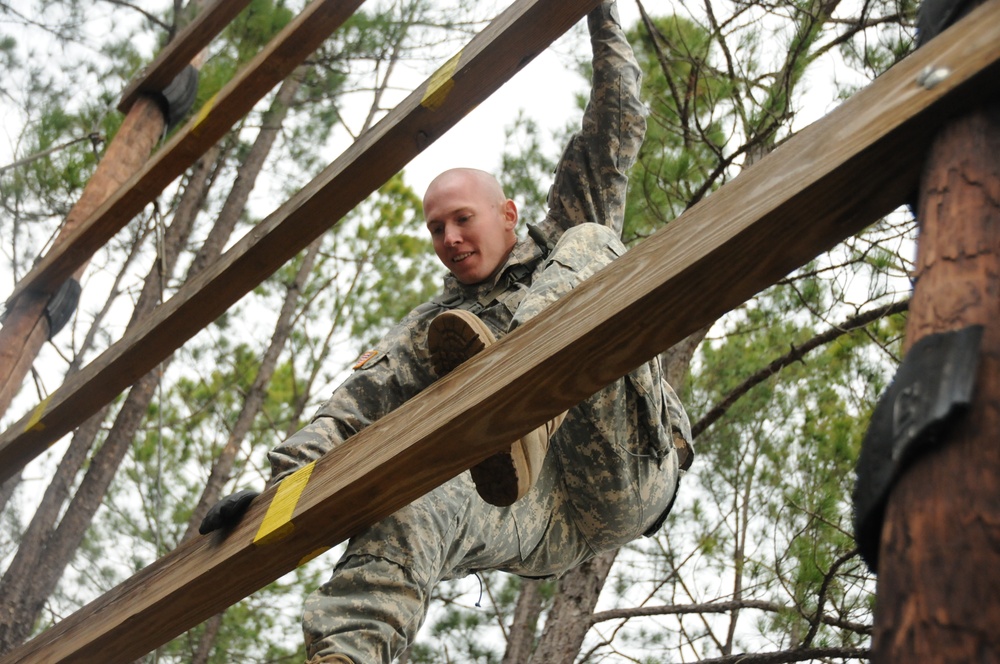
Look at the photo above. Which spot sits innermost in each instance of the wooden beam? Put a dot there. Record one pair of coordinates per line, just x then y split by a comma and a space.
271, 66
181, 50
468, 78
824, 184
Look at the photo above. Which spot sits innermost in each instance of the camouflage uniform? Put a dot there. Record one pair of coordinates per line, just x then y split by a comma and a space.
611, 471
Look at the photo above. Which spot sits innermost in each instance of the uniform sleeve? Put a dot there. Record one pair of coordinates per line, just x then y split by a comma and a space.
395, 371
590, 181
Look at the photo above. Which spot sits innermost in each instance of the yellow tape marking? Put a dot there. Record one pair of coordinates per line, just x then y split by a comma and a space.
35, 422
203, 113
440, 84
277, 523
315, 554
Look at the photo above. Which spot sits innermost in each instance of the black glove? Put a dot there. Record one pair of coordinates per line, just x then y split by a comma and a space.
227, 512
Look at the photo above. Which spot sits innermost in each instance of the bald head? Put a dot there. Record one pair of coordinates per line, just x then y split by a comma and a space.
471, 180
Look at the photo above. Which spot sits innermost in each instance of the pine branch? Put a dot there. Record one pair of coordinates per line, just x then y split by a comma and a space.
795, 354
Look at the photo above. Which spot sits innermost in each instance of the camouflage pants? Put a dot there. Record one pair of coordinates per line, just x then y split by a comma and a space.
607, 477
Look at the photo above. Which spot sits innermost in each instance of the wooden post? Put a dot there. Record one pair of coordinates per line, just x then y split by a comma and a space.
26, 327
939, 562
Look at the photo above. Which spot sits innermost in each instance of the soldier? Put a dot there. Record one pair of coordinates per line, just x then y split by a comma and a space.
600, 475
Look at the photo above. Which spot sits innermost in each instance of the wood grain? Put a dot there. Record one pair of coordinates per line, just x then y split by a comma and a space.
824, 184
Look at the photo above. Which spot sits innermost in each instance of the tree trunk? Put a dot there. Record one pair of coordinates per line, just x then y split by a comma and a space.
71, 462
230, 214
569, 618
249, 170
676, 360
43, 522
39, 562
7, 490
521, 640
207, 640
62, 543
20, 579
223, 466
939, 563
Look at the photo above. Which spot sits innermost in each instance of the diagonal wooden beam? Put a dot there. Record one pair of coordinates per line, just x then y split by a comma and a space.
272, 65
468, 78
181, 50
824, 184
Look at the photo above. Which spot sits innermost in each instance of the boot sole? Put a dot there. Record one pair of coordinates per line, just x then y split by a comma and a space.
454, 337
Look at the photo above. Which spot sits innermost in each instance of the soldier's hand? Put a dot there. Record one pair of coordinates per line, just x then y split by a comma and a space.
227, 512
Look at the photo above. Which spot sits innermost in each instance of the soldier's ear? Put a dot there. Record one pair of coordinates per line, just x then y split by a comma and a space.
509, 214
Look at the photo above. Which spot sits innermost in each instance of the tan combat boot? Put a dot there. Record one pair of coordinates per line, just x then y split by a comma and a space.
504, 478
332, 659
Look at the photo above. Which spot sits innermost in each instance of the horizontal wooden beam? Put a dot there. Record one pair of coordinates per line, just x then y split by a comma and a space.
490, 59
824, 184
181, 50
273, 64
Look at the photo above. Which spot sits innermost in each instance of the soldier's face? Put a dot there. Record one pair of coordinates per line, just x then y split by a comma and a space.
471, 224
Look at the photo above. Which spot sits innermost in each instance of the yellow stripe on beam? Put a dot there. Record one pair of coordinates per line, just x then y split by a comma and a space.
440, 84
35, 423
203, 112
277, 523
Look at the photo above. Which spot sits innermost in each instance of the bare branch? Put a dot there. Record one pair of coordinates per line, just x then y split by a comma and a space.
152, 18
94, 138
795, 355
785, 656
821, 595
718, 607
655, 37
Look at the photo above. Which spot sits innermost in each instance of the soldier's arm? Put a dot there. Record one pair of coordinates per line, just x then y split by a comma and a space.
345, 413
379, 384
591, 179
337, 420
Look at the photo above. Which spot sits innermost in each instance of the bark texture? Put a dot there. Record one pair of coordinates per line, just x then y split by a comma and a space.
939, 563
569, 618
521, 639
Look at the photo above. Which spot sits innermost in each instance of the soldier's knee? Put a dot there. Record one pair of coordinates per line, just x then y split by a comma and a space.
587, 247
591, 233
